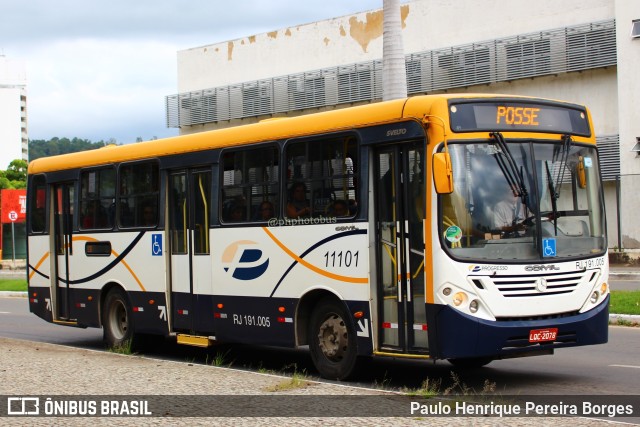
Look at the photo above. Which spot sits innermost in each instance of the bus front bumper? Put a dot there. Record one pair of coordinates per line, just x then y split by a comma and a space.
458, 335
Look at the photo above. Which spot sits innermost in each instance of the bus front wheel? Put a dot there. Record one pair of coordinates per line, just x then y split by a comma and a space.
332, 340
117, 319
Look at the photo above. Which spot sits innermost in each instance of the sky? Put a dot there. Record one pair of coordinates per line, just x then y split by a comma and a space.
102, 69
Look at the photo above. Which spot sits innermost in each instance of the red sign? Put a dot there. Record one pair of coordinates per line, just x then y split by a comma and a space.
14, 205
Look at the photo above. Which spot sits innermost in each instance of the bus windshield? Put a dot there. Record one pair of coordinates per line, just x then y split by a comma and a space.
523, 200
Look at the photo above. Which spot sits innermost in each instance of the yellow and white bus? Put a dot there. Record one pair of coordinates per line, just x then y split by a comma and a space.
376, 230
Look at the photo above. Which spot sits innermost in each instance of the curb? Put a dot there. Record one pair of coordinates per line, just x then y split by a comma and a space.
631, 318
631, 275
13, 294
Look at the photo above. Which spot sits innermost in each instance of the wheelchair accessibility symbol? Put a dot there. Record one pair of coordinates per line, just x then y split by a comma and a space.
548, 247
156, 244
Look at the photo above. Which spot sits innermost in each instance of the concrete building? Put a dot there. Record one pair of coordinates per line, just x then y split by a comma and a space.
13, 112
583, 51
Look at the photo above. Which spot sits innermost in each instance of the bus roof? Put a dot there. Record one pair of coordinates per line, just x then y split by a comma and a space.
266, 130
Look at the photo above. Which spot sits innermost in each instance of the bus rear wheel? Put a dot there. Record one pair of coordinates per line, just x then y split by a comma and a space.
332, 340
117, 319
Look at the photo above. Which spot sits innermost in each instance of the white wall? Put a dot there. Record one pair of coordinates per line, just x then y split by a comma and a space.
12, 72
427, 24
13, 80
10, 131
601, 98
628, 99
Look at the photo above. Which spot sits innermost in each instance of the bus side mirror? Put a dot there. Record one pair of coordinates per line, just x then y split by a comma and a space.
442, 173
582, 177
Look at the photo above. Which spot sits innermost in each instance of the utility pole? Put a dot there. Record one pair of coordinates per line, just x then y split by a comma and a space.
394, 74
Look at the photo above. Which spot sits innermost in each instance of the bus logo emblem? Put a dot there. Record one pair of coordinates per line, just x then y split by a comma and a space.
541, 284
243, 260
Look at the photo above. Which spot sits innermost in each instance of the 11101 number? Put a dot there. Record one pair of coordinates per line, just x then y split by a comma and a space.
341, 259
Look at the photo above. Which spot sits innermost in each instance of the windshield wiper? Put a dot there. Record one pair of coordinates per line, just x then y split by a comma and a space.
509, 168
566, 145
554, 198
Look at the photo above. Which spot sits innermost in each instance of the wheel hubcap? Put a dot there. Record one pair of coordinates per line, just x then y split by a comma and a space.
332, 338
119, 321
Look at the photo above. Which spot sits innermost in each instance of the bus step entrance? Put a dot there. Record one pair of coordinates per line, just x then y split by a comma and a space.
195, 340
65, 322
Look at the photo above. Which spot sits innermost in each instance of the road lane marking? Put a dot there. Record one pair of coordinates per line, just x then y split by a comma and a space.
625, 366
5, 312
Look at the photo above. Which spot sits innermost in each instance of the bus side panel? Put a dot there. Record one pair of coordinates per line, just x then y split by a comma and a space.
459, 335
130, 264
39, 277
255, 320
149, 312
270, 321
289, 261
40, 302
260, 293
363, 326
204, 323
86, 304
181, 311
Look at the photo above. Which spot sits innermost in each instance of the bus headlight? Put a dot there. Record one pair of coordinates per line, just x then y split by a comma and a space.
446, 292
459, 298
594, 297
473, 306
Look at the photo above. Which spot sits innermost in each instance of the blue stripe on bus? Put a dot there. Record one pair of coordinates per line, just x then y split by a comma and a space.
112, 264
320, 243
38, 272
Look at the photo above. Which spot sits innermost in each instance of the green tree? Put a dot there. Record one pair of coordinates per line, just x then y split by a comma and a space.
54, 146
17, 170
15, 177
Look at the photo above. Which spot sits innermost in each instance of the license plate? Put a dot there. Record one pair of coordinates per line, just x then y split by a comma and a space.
543, 335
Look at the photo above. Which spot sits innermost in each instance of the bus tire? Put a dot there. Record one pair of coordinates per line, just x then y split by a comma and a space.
470, 362
117, 319
332, 340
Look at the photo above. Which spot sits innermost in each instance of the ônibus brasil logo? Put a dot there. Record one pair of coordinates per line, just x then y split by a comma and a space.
243, 260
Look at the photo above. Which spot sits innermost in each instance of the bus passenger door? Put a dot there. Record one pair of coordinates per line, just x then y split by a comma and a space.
399, 215
63, 228
189, 213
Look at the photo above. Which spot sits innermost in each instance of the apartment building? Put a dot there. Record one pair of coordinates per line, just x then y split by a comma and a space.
13, 111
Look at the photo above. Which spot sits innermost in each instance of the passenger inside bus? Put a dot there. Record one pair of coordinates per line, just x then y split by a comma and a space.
298, 205
149, 215
234, 209
265, 212
237, 213
339, 208
95, 216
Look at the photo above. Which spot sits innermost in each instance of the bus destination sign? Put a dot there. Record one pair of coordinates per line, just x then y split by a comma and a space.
518, 116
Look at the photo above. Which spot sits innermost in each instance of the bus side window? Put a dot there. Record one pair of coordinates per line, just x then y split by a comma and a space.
139, 183
327, 169
97, 192
249, 178
37, 199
